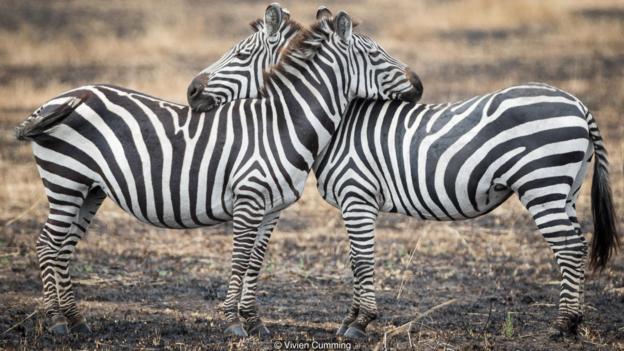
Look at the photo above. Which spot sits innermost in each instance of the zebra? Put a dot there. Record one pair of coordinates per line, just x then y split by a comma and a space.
243, 161
456, 161
461, 160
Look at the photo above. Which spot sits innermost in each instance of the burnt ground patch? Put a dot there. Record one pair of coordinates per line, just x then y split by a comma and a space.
128, 306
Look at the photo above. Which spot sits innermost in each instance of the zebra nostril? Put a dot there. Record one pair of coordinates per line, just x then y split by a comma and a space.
417, 86
194, 90
414, 80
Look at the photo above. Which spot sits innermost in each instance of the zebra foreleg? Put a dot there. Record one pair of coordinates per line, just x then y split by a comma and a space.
354, 309
248, 216
248, 307
360, 218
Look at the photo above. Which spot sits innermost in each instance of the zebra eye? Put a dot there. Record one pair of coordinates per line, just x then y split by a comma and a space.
242, 55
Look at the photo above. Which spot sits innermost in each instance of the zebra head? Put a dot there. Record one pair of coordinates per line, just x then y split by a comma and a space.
368, 71
238, 73
377, 74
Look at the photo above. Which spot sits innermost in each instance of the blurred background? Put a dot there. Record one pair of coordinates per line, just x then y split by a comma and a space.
145, 287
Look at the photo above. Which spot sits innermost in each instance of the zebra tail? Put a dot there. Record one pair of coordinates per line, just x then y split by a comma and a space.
605, 242
43, 118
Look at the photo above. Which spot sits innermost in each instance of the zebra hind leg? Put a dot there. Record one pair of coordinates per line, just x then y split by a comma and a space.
67, 223
571, 211
92, 202
248, 308
557, 225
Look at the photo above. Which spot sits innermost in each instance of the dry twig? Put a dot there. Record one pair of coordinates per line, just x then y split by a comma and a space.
407, 266
407, 326
20, 322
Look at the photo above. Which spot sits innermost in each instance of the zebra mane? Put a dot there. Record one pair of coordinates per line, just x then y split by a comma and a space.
303, 47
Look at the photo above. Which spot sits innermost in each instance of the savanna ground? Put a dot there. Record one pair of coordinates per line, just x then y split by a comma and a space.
492, 282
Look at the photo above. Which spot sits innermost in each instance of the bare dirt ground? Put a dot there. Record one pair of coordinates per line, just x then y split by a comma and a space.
492, 282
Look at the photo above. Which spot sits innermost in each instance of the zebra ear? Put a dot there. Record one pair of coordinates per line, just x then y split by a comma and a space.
285, 14
272, 18
323, 13
343, 25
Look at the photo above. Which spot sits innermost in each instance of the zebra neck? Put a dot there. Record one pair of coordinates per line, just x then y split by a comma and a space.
290, 33
312, 97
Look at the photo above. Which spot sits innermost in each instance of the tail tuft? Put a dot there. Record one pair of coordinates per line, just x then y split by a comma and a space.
605, 242
46, 116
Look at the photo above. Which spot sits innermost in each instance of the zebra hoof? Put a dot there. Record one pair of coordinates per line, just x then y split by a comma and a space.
566, 327
80, 328
259, 329
355, 333
342, 330
59, 329
558, 335
236, 329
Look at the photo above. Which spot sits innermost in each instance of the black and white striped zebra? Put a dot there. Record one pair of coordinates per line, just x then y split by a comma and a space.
243, 161
461, 160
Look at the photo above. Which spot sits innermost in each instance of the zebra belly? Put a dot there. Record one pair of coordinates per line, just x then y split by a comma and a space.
169, 217
149, 201
489, 200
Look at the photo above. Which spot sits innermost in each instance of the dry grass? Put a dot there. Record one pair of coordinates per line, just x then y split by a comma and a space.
150, 288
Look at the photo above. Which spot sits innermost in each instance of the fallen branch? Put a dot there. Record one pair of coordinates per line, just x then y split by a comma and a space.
20, 322
408, 325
